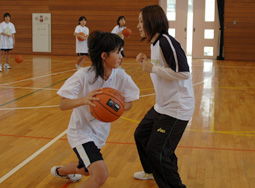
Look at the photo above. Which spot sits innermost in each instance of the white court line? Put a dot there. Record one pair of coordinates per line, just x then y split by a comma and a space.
202, 81
147, 95
38, 77
15, 169
240, 67
25, 108
34, 88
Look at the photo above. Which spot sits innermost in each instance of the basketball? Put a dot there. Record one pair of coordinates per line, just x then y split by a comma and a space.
19, 59
110, 105
126, 32
81, 34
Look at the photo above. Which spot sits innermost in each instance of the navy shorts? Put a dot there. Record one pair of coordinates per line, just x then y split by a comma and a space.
6, 50
87, 154
80, 54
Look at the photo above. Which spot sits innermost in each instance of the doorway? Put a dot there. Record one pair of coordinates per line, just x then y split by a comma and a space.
195, 24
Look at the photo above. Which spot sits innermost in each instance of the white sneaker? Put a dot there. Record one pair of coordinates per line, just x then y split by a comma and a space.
7, 66
77, 66
72, 177
143, 176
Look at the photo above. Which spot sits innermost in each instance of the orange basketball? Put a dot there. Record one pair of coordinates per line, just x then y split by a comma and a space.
18, 59
79, 36
126, 32
110, 105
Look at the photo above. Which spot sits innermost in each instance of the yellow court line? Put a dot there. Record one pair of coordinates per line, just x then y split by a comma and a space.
236, 87
212, 111
221, 132
146, 89
236, 132
129, 119
208, 131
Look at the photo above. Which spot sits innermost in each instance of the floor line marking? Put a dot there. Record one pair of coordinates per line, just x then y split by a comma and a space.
15, 169
38, 77
25, 108
34, 88
30, 93
212, 111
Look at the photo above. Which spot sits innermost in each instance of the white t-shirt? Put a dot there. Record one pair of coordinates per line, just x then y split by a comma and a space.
171, 79
6, 42
83, 127
118, 29
81, 46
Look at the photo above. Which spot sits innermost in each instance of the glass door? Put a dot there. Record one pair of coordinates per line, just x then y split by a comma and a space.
176, 11
195, 24
205, 29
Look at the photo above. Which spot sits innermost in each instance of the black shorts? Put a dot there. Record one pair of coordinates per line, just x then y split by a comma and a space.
80, 54
6, 50
87, 154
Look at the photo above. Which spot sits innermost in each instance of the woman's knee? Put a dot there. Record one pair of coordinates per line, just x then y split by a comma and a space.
153, 155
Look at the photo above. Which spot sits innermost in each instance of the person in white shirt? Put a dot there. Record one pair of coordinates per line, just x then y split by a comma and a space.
86, 134
161, 129
7, 41
121, 21
81, 46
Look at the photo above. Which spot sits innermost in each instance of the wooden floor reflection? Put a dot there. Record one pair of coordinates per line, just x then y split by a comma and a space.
217, 149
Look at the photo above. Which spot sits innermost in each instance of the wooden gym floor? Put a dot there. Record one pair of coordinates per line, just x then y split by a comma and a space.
217, 149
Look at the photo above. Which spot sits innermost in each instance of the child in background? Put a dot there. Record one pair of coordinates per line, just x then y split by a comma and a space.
121, 21
7, 41
161, 129
86, 134
81, 46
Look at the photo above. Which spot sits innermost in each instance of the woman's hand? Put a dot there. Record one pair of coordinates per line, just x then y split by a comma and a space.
143, 60
141, 57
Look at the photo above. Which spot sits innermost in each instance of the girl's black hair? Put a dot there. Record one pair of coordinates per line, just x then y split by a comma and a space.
6, 14
154, 21
82, 18
119, 18
99, 42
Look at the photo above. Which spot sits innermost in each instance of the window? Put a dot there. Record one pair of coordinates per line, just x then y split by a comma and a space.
171, 10
208, 34
171, 32
209, 10
208, 51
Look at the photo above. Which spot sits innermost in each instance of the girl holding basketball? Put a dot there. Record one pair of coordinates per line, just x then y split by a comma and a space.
7, 42
86, 134
161, 129
121, 21
81, 45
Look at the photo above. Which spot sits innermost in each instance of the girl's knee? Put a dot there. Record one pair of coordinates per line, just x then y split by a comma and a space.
100, 178
82, 171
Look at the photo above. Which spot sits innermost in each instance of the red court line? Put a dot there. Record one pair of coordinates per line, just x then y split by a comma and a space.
215, 148
19, 136
67, 184
126, 143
